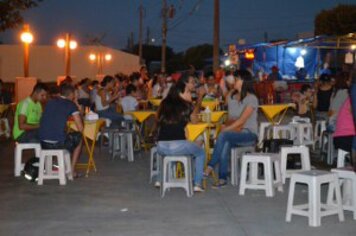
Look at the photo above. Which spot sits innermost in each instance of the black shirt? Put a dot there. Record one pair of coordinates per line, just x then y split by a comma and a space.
175, 129
324, 100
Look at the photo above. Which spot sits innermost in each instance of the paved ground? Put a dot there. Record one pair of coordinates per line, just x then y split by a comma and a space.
117, 200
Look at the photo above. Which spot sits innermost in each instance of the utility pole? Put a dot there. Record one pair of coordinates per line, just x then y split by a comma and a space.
216, 56
148, 36
140, 34
164, 36
132, 44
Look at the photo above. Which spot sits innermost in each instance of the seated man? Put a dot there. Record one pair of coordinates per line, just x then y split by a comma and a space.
52, 130
28, 115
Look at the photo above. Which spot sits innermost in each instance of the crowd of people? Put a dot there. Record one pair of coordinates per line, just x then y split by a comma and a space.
42, 117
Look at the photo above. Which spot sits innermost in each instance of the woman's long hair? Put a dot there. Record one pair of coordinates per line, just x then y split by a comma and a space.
173, 108
248, 83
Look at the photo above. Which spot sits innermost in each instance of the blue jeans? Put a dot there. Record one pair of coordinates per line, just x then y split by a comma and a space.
112, 115
184, 147
222, 150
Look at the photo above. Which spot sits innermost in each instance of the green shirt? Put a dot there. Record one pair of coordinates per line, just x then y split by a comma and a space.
31, 110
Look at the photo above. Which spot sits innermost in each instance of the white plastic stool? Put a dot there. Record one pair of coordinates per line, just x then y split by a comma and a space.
124, 140
304, 134
341, 155
236, 155
45, 166
304, 157
327, 147
18, 154
314, 209
168, 179
320, 127
262, 132
268, 184
296, 119
282, 131
155, 161
348, 178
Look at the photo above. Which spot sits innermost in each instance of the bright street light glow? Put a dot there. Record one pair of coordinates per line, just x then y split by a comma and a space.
73, 44
26, 37
353, 47
303, 52
108, 57
92, 57
61, 43
292, 50
227, 62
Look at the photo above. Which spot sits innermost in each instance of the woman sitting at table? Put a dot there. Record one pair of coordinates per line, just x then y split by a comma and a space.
105, 97
239, 132
174, 113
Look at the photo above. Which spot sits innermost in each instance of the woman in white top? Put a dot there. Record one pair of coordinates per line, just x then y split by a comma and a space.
105, 97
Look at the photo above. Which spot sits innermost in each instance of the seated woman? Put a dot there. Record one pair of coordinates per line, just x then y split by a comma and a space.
240, 132
174, 113
105, 97
323, 90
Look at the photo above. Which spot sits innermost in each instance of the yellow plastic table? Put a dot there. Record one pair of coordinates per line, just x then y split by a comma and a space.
140, 117
211, 104
276, 112
195, 130
155, 101
90, 132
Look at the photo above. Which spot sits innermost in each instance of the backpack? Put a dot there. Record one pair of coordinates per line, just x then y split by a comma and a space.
30, 171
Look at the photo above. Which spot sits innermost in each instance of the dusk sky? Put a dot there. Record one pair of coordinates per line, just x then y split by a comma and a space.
192, 25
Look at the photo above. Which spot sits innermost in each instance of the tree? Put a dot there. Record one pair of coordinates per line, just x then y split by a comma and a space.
340, 20
198, 55
11, 12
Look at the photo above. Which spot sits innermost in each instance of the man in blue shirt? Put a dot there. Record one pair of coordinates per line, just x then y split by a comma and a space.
53, 124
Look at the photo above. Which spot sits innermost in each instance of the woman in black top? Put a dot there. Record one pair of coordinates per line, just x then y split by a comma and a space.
323, 92
174, 113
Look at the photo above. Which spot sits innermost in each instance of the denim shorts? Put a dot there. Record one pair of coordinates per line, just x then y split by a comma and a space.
72, 141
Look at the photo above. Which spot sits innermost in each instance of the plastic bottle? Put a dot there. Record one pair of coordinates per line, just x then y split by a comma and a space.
208, 114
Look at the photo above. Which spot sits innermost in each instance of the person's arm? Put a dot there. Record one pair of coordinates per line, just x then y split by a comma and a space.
315, 97
78, 121
194, 117
239, 123
22, 119
106, 102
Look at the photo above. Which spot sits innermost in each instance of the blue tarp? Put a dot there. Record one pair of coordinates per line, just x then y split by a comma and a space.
282, 55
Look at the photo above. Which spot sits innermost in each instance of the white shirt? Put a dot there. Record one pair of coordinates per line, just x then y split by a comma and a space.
129, 103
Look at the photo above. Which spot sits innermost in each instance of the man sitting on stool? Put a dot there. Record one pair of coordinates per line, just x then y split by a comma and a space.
28, 115
54, 122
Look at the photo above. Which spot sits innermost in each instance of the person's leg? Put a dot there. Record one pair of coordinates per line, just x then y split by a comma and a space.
73, 144
30, 136
222, 149
233, 139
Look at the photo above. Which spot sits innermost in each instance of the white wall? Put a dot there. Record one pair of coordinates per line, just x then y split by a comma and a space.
47, 62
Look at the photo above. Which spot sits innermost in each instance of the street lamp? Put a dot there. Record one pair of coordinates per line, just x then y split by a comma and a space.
27, 39
100, 58
68, 44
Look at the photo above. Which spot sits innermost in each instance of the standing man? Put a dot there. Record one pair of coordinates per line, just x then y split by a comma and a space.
52, 131
28, 115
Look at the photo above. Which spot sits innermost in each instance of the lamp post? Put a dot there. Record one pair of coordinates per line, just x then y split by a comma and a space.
100, 58
27, 39
68, 44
